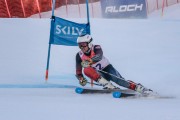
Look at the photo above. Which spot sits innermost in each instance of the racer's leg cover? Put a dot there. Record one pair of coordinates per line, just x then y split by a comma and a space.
91, 73
110, 69
132, 85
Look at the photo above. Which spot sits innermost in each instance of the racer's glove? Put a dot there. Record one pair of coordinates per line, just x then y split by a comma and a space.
82, 80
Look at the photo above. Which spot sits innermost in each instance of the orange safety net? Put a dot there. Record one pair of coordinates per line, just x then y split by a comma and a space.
26, 8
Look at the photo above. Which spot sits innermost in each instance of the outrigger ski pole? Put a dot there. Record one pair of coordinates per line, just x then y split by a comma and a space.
94, 83
113, 75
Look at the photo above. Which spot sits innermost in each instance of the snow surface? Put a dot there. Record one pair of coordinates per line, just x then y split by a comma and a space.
145, 51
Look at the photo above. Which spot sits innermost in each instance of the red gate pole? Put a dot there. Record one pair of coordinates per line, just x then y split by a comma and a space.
66, 8
162, 8
79, 9
23, 8
157, 4
39, 10
8, 9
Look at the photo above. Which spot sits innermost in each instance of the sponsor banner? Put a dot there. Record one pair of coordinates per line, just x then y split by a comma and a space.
64, 32
123, 8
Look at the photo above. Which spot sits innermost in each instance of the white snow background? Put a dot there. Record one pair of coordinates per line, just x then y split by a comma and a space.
145, 51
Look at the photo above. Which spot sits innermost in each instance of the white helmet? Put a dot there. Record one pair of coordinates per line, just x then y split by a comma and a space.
85, 38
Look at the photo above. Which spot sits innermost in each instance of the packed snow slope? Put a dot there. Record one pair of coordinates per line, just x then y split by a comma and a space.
145, 51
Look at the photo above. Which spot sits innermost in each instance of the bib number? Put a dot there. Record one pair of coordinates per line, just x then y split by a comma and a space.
98, 66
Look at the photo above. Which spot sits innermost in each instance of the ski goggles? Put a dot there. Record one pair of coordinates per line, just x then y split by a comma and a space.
82, 45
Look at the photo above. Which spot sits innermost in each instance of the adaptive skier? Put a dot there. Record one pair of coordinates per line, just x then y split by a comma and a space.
91, 61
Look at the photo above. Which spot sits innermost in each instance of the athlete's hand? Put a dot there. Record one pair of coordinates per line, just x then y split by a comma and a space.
86, 63
90, 61
82, 81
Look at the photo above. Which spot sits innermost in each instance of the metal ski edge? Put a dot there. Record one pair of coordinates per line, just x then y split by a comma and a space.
140, 96
118, 94
80, 90
123, 93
